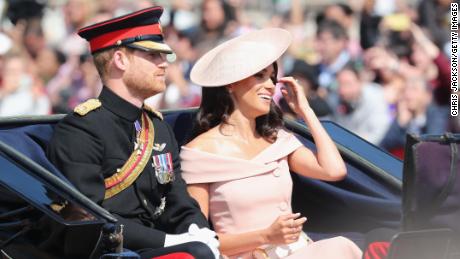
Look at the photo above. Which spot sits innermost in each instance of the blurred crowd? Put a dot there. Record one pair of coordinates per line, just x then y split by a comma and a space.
380, 68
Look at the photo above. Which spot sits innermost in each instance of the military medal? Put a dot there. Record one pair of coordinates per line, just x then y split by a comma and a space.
163, 166
138, 142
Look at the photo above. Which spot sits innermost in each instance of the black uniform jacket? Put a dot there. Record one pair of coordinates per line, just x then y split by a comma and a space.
87, 149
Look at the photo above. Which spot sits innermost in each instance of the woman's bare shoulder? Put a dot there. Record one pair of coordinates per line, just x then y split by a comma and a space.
207, 141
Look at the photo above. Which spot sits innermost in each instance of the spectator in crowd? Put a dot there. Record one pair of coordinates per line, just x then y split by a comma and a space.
341, 13
33, 38
344, 15
110, 7
369, 25
77, 80
382, 67
435, 16
332, 47
416, 115
433, 65
217, 22
20, 93
360, 106
181, 92
424, 58
77, 14
181, 15
394, 50
48, 61
5, 45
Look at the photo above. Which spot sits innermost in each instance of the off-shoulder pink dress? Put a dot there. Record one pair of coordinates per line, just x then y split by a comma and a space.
247, 195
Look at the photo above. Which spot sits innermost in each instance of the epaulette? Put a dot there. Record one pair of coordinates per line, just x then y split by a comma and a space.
150, 109
84, 108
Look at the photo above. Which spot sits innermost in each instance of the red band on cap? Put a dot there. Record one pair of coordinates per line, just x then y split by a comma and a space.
111, 38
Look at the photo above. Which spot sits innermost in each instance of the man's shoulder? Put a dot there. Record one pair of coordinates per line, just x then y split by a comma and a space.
76, 132
88, 106
86, 112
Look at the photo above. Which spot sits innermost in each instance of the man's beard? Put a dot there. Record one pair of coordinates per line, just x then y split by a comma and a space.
140, 86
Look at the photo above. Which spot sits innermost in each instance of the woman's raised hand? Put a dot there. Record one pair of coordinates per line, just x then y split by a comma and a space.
294, 94
286, 229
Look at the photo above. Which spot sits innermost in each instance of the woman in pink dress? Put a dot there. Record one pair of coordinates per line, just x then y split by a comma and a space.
237, 166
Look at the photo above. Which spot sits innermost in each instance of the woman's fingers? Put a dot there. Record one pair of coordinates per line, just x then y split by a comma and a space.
293, 92
296, 225
289, 220
293, 220
290, 82
300, 221
284, 91
287, 79
293, 237
293, 230
287, 217
292, 225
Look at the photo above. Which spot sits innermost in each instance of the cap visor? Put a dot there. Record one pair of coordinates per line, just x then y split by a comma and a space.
152, 46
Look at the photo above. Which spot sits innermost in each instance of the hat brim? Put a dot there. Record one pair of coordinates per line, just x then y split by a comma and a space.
240, 57
152, 46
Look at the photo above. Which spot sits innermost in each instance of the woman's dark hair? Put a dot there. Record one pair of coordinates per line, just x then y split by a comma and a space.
217, 105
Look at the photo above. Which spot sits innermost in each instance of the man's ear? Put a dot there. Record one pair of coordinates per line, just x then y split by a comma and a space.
120, 60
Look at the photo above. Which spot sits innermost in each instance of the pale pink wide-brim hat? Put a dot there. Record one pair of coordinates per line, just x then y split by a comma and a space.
240, 57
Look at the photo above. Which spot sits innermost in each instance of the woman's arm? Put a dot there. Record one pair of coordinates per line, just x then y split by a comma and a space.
200, 192
286, 229
327, 164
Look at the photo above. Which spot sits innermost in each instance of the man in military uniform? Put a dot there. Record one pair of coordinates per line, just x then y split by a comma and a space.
118, 151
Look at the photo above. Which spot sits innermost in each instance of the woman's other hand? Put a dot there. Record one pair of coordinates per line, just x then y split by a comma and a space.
286, 229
